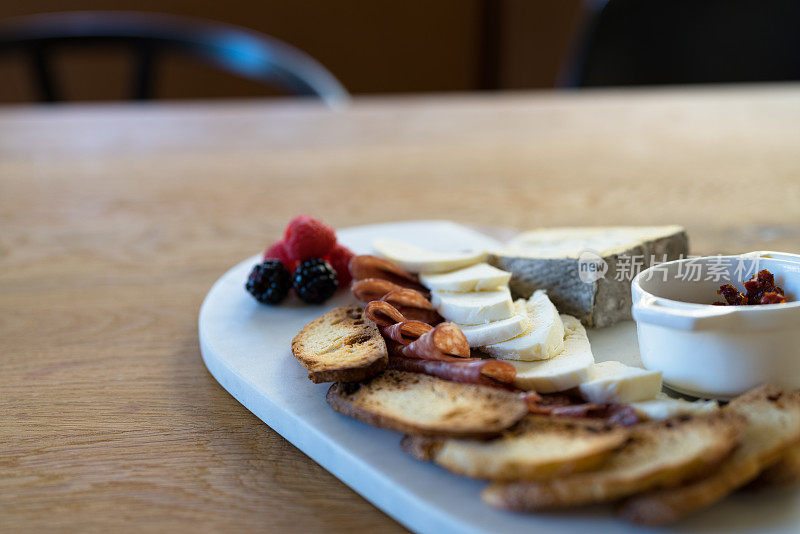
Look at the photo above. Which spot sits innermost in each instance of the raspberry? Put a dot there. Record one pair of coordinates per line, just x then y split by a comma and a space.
339, 258
307, 237
278, 251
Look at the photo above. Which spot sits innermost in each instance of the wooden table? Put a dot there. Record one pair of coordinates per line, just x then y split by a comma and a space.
116, 220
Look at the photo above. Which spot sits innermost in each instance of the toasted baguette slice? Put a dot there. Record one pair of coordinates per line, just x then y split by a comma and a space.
425, 405
657, 454
784, 473
773, 427
341, 346
537, 448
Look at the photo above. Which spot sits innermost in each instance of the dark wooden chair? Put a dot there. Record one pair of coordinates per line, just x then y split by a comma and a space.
229, 48
655, 42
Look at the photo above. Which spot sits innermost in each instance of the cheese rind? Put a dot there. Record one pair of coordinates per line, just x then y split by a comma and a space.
565, 370
497, 331
477, 307
419, 260
479, 277
543, 339
614, 382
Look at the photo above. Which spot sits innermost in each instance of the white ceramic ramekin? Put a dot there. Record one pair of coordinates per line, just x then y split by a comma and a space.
718, 351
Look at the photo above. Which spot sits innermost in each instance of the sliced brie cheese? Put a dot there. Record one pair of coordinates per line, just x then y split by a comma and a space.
479, 277
544, 337
419, 260
615, 382
478, 307
486, 334
563, 371
664, 407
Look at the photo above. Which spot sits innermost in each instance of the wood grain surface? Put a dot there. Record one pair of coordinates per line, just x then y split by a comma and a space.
116, 220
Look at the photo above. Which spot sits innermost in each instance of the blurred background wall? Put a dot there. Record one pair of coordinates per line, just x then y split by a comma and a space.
377, 46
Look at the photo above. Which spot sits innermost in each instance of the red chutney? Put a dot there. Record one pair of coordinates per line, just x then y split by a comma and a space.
761, 289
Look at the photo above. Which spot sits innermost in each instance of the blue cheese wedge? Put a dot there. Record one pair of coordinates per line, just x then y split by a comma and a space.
419, 260
587, 272
565, 370
477, 307
544, 337
479, 277
614, 382
479, 335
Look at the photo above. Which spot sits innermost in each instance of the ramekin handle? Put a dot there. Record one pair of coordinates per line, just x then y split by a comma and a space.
648, 310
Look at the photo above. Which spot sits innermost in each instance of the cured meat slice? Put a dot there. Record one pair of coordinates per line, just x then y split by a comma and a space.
413, 305
406, 332
383, 314
367, 266
445, 342
466, 370
371, 289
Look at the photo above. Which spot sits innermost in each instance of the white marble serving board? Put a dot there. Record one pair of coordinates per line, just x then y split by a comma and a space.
246, 348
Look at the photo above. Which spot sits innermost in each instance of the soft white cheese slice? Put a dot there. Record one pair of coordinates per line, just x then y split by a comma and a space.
478, 307
563, 371
664, 407
614, 382
543, 339
479, 335
419, 260
479, 277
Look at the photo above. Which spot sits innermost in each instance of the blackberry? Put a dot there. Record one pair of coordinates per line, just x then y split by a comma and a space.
269, 282
315, 281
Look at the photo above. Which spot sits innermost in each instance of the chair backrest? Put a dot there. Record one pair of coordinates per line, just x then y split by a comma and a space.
229, 48
649, 42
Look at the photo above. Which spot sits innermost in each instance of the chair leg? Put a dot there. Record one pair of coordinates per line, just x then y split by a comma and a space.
571, 72
489, 44
42, 74
144, 72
